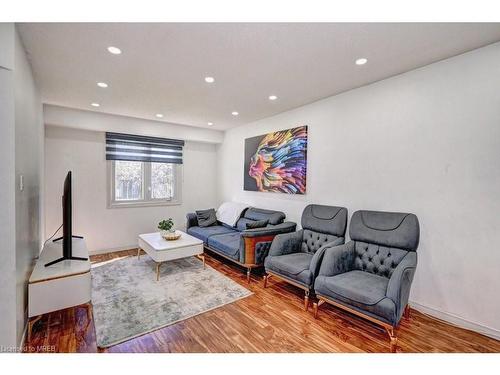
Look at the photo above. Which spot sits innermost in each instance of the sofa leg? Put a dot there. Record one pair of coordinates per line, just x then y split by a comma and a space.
266, 277
393, 338
306, 300
407, 312
316, 305
249, 270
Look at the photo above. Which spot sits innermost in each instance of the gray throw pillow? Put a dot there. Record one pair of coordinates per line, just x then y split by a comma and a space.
257, 224
206, 218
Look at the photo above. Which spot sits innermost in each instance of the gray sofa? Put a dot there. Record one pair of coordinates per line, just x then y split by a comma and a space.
246, 247
296, 257
371, 275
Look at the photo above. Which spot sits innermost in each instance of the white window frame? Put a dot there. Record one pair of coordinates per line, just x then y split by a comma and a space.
147, 201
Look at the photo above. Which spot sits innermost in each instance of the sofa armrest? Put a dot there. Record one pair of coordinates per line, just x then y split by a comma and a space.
273, 230
337, 259
286, 243
192, 220
398, 289
318, 255
256, 242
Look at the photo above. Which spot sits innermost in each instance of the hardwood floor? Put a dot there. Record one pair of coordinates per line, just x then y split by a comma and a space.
271, 320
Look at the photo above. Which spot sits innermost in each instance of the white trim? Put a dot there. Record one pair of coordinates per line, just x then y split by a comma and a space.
24, 335
146, 200
456, 320
114, 250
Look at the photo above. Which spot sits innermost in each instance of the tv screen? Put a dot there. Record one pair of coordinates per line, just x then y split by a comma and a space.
67, 237
66, 208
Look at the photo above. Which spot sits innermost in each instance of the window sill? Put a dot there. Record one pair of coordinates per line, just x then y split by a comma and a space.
143, 204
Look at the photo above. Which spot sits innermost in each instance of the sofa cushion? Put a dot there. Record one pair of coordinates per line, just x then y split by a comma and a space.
293, 266
206, 218
205, 233
257, 224
228, 244
274, 217
241, 224
359, 286
363, 290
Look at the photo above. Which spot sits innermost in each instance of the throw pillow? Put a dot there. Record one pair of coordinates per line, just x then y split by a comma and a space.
206, 218
257, 224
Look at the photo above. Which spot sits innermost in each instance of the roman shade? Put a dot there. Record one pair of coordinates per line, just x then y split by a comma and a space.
140, 148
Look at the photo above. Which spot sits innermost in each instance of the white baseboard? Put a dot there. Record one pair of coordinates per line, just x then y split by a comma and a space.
113, 250
457, 320
23, 337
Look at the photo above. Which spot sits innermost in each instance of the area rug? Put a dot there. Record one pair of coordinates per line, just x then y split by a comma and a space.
128, 301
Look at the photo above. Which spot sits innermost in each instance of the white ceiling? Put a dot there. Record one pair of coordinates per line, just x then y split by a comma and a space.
162, 67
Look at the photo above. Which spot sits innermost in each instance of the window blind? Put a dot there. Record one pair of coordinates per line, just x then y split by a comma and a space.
140, 148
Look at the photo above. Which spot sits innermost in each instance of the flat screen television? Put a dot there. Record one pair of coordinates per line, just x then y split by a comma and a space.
67, 238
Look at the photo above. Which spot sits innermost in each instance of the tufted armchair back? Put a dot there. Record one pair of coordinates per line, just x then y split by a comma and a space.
321, 225
382, 240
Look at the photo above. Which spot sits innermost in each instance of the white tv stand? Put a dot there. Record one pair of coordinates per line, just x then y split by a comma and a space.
62, 285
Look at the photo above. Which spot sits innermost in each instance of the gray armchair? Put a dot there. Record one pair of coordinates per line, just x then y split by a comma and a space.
296, 257
371, 275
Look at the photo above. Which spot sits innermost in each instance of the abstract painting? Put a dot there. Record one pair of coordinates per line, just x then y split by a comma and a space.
277, 162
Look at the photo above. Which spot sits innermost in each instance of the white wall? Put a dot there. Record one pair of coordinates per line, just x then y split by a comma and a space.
29, 157
83, 152
21, 152
7, 193
426, 142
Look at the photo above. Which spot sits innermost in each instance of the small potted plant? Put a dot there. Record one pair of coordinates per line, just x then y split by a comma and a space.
166, 227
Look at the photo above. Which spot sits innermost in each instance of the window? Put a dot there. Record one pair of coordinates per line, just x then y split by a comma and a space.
138, 183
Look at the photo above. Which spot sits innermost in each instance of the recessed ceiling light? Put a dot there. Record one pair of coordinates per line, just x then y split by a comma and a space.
361, 61
210, 123
159, 115
114, 50
273, 97
234, 113
102, 84
209, 79
95, 104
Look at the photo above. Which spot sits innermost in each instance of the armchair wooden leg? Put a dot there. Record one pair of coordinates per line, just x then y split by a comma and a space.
316, 305
266, 277
306, 300
249, 270
407, 312
393, 338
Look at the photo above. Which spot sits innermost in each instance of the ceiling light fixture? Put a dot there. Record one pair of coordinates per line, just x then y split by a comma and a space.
159, 115
210, 123
361, 61
95, 104
234, 113
102, 84
114, 50
273, 97
209, 79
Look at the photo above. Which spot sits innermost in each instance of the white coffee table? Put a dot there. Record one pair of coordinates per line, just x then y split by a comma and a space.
161, 250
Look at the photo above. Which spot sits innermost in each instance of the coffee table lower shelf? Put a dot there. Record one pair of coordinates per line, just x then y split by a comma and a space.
158, 264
